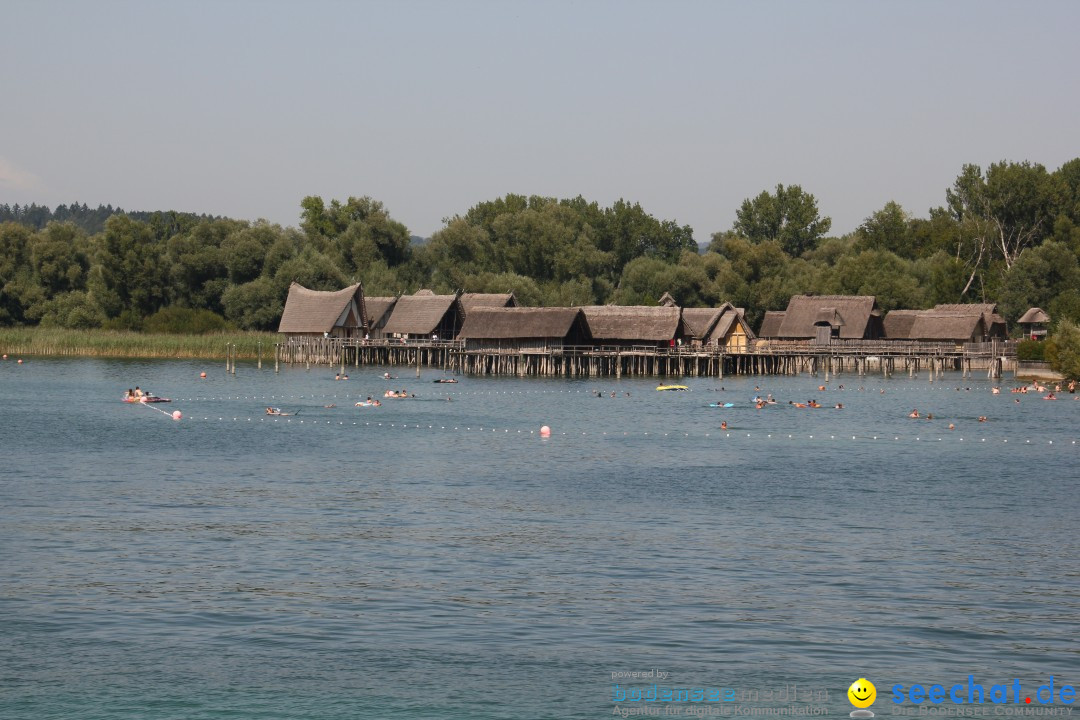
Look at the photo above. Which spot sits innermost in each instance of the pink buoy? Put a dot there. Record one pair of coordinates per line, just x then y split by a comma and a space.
177, 415
545, 431
20, 361
5, 356
202, 375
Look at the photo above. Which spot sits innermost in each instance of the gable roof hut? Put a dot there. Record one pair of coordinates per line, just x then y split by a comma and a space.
724, 326
523, 329
628, 325
897, 324
1035, 319
423, 315
378, 312
335, 313
471, 301
822, 317
993, 323
770, 324
947, 326
667, 300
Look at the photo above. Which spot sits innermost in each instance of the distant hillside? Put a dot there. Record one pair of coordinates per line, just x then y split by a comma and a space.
92, 220
416, 241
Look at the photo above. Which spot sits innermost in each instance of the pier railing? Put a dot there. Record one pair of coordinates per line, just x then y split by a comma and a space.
762, 346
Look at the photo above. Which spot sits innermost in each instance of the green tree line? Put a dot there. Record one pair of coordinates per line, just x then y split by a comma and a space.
1009, 233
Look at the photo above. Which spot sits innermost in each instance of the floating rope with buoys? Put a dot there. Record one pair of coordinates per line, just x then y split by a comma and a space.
734, 434
175, 414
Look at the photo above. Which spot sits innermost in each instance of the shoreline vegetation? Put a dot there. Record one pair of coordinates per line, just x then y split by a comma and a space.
58, 342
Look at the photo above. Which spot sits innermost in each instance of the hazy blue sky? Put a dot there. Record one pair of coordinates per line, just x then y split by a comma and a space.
243, 108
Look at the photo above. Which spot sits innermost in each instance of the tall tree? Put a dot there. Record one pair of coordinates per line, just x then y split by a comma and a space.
789, 217
888, 229
1005, 211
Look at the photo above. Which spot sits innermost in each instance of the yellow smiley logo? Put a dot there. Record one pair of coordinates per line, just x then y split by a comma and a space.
862, 693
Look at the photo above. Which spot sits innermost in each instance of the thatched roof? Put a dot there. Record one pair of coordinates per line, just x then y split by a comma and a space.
732, 316
377, 308
898, 323
699, 321
708, 324
850, 314
320, 311
418, 314
519, 322
631, 322
469, 301
933, 325
1034, 315
770, 324
991, 318
666, 300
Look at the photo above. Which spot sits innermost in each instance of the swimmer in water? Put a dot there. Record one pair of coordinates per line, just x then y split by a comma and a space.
914, 413
723, 425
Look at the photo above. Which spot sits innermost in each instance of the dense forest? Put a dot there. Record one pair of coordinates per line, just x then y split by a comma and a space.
1008, 234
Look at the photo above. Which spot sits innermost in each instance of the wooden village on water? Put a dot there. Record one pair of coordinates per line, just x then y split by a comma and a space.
490, 334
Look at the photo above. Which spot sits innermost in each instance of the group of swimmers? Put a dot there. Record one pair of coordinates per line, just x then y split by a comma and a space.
398, 394
811, 404
339, 376
368, 402
136, 394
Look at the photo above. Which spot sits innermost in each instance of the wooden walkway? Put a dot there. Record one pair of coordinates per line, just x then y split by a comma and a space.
762, 357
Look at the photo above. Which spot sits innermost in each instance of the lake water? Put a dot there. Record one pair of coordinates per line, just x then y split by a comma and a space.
438, 559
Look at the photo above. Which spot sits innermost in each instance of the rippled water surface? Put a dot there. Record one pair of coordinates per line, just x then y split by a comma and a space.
438, 559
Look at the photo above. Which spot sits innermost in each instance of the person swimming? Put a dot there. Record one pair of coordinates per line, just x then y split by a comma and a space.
914, 413
723, 425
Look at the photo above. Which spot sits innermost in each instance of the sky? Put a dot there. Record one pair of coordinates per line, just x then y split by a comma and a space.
243, 108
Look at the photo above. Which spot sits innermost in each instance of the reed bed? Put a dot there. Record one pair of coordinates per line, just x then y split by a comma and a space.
126, 344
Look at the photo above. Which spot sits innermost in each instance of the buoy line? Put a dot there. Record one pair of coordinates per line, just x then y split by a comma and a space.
724, 434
